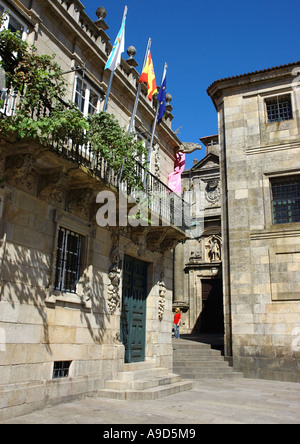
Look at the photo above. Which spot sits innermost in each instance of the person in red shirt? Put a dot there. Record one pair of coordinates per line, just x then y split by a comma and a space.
177, 320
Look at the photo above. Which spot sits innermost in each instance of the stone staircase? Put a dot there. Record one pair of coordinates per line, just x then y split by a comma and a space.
144, 381
198, 360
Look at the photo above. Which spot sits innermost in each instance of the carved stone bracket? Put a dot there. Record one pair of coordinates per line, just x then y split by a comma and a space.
189, 147
79, 202
53, 188
139, 237
154, 240
19, 172
169, 244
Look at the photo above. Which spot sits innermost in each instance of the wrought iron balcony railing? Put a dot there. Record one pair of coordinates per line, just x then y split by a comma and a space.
170, 207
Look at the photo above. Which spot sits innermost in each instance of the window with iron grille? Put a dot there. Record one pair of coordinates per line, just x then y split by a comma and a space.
61, 369
68, 260
286, 200
279, 108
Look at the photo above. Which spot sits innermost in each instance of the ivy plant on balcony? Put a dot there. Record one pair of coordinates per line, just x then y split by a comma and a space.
42, 113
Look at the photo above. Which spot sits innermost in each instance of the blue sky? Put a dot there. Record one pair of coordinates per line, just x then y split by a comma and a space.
203, 41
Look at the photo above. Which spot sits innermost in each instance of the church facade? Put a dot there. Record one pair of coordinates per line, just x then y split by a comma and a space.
198, 289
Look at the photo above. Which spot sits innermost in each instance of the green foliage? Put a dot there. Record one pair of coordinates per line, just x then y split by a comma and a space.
116, 146
42, 113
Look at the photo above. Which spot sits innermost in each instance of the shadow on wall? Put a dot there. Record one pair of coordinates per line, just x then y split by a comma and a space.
26, 281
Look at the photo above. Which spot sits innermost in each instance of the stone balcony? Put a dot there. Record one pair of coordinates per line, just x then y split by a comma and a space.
70, 176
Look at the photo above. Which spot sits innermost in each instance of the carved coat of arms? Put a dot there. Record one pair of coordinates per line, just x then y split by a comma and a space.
213, 191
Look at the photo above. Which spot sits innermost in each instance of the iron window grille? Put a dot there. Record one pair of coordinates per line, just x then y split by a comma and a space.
279, 108
68, 261
61, 369
286, 200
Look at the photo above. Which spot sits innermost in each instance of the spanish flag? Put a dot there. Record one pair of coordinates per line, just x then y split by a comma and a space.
148, 76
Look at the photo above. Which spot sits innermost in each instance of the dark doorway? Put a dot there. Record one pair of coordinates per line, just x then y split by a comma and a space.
133, 315
211, 319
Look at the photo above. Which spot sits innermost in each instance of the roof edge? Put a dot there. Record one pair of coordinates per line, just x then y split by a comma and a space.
288, 65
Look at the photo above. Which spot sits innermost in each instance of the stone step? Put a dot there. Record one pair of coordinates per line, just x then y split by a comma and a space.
211, 375
143, 381
205, 354
139, 365
210, 368
142, 384
184, 345
195, 360
147, 394
213, 363
142, 374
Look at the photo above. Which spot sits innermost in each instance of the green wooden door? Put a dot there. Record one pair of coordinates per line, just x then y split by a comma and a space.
133, 315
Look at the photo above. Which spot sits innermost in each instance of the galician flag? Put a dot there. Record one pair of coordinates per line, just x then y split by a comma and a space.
148, 76
119, 47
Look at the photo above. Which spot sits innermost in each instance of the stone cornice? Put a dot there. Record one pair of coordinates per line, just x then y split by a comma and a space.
245, 81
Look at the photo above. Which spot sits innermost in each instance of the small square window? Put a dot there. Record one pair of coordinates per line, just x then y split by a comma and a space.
286, 200
279, 108
61, 369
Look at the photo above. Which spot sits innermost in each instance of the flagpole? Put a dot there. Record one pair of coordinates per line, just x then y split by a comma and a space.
139, 88
113, 72
154, 126
136, 103
156, 116
108, 91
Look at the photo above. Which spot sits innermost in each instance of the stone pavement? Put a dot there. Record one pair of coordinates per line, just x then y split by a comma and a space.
242, 401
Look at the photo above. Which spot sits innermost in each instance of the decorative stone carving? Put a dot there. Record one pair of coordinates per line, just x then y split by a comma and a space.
157, 161
189, 147
79, 202
213, 191
162, 296
154, 240
169, 244
114, 298
19, 172
53, 188
214, 245
196, 256
139, 237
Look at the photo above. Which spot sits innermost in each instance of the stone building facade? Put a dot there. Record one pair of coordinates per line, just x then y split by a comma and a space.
259, 126
198, 262
66, 284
